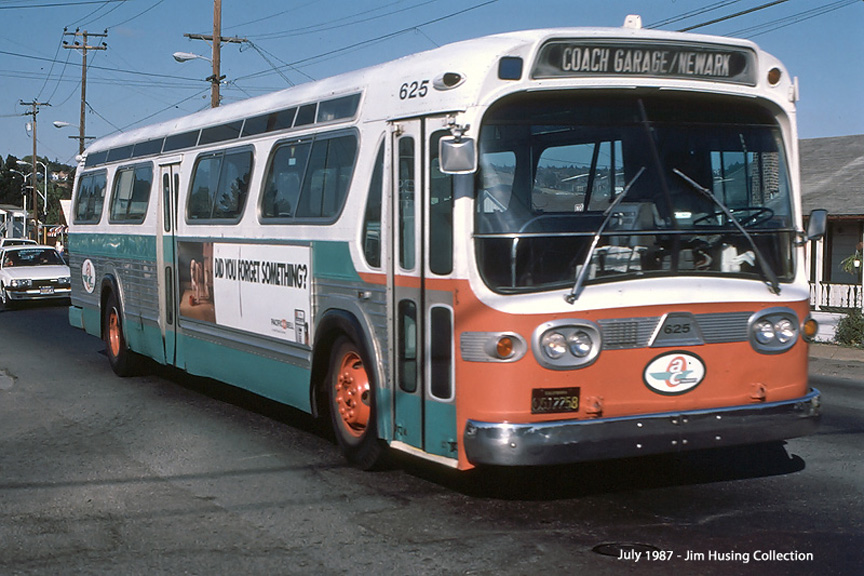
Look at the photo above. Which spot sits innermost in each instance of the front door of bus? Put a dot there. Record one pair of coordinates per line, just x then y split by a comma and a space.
424, 410
169, 184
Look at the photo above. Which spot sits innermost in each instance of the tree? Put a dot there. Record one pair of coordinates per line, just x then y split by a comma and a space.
10, 182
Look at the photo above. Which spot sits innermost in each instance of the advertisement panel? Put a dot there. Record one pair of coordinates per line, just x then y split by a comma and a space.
262, 289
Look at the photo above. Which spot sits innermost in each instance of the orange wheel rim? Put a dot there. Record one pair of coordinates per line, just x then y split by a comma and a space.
114, 333
352, 395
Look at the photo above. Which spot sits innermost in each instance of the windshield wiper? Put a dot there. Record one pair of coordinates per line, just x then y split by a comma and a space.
768, 275
580, 277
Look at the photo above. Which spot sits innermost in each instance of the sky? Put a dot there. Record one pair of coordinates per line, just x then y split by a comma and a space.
135, 81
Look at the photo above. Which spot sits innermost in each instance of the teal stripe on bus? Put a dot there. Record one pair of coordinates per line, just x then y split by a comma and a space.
132, 246
333, 260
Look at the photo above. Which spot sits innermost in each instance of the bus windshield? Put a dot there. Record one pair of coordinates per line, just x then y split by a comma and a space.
670, 186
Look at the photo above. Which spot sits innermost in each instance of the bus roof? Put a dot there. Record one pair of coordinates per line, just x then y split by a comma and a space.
471, 59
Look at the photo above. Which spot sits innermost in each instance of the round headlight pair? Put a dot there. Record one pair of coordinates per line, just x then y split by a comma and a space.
767, 332
566, 344
774, 330
555, 344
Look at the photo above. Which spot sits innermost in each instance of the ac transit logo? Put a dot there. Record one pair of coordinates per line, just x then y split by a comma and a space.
674, 373
88, 276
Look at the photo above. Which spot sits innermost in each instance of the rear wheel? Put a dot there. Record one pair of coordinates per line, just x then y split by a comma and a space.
352, 405
123, 361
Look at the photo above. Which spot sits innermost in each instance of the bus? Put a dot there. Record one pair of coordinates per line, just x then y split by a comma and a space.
532, 248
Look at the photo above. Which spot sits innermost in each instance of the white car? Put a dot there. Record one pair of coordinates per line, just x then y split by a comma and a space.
32, 272
6, 242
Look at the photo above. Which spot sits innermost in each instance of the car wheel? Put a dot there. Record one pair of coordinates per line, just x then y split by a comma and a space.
122, 360
352, 405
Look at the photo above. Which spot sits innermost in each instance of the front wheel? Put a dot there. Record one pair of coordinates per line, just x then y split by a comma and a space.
122, 360
352, 405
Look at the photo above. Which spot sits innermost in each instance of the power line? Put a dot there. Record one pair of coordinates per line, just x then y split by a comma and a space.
58, 4
779, 23
685, 15
119, 70
381, 38
331, 25
731, 16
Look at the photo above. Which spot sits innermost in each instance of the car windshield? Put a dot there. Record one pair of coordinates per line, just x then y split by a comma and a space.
32, 257
668, 185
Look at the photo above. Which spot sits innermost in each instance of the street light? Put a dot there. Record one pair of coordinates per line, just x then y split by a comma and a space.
186, 56
23, 187
61, 124
45, 181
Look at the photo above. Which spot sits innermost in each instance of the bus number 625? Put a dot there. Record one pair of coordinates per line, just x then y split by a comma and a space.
416, 89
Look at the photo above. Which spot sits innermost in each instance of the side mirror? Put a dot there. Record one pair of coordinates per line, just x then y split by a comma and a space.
817, 225
457, 156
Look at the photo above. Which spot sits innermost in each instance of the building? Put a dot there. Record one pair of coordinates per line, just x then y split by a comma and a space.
832, 177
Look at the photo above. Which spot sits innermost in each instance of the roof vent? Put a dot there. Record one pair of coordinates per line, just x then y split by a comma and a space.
633, 21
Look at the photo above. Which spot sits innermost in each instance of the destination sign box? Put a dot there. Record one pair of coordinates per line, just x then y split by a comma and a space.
572, 58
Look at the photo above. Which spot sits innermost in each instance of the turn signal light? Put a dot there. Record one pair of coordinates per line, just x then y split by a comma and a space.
504, 347
810, 329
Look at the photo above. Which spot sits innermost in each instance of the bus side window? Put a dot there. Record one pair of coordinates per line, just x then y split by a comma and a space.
220, 183
328, 176
90, 198
131, 194
284, 178
233, 185
372, 218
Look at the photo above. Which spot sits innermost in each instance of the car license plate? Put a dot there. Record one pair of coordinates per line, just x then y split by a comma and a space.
554, 400
46, 290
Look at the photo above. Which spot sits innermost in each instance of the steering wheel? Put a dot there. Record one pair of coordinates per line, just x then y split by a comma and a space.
746, 216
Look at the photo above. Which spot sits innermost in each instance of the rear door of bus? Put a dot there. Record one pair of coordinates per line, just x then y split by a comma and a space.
166, 257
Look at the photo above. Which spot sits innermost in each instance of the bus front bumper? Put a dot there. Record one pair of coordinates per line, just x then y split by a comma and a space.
562, 442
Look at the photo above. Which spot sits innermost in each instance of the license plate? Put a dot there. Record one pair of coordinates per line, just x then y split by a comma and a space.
46, 290
554, 400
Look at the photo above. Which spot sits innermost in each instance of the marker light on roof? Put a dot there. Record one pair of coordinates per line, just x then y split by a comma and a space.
774, 76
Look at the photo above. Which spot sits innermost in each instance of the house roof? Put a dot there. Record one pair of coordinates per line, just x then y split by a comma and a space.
832, 174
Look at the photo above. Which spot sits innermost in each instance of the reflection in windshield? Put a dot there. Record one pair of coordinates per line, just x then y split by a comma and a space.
552, 166
32, 257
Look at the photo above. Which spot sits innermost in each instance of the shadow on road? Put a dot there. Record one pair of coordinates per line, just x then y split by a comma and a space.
610, 476
528, 483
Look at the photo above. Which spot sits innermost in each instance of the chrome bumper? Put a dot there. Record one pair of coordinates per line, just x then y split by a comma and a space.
562, 442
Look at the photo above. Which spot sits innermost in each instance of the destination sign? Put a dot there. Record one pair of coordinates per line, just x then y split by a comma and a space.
570, 58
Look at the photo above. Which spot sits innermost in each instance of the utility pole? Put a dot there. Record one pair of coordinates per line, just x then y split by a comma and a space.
84, 47
216, 40
34, 110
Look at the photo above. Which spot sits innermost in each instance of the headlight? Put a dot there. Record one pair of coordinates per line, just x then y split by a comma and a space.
554, 345
64, 280
566, 344
580, 343
25, 283
764, 332
773, 330
785, 331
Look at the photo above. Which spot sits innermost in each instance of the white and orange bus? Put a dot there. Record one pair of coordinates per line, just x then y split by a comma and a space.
531, 248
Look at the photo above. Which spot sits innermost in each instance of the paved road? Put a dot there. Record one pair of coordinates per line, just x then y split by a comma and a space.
167, 474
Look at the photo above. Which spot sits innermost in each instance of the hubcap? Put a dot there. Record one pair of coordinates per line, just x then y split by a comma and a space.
114, 333
352, 394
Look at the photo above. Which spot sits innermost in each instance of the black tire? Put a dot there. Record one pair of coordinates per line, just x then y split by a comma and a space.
350, 391
122, 360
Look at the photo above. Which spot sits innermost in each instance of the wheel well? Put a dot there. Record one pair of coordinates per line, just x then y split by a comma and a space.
332, 326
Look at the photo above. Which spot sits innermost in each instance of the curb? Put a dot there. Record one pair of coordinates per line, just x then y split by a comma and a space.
833, 352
